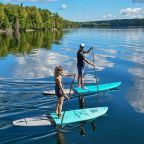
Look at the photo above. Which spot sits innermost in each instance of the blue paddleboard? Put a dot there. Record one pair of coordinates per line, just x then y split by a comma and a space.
96, 88
79, 115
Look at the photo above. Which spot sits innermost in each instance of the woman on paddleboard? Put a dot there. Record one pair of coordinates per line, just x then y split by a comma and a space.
59, 89
81, 64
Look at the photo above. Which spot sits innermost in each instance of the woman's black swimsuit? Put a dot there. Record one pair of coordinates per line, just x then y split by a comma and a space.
58, 90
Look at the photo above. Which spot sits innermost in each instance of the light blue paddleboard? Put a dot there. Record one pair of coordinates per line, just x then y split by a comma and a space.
79, 115
96, 88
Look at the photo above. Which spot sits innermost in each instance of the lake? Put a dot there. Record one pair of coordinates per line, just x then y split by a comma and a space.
27, 62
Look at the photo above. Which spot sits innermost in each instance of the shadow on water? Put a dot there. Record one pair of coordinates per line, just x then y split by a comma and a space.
77, 126
60, 132
83, 105
23, 43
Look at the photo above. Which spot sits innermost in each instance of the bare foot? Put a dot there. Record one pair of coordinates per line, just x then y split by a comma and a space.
60, 116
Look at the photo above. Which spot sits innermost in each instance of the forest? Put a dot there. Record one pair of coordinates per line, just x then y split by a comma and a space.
19, 17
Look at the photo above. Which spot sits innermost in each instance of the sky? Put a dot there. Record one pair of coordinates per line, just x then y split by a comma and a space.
88, 10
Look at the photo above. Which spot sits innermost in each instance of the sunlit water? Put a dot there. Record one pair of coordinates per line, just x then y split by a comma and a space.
27, 64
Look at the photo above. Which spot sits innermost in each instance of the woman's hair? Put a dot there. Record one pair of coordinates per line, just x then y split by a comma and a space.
57, 71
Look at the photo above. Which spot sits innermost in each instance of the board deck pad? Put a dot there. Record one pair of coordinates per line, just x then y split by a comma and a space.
96, 88
79, 115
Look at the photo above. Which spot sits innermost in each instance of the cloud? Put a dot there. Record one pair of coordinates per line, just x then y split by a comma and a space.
136, 94
63, 6
128, 11
108, 17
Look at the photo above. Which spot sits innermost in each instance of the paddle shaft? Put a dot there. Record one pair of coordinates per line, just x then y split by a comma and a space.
68, 100
95, 68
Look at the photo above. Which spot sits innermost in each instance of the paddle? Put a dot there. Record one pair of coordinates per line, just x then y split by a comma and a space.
68, 100
95, 68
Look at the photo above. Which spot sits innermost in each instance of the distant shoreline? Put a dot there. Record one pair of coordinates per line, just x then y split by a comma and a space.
117, 23
130, 27
32, 30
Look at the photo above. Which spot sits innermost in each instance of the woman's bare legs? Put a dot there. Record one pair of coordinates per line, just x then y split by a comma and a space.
59, 105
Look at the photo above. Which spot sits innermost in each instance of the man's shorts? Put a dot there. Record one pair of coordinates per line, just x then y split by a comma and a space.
81, 70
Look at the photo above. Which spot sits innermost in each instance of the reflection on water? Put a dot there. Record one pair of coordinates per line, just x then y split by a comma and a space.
60, 138
17, 46
24, 42
82, 131
136, 95
82, 105
93, 124
135, 54
27, 61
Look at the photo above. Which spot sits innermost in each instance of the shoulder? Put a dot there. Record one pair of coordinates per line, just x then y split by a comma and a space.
57, 78
80, 52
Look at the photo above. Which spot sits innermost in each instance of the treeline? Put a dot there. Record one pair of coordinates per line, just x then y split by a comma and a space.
19, 17
114, 23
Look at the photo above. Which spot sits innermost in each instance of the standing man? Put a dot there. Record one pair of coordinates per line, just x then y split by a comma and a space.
81, 64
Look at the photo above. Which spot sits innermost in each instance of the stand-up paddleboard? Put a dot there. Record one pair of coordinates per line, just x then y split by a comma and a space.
89, 89
52, 92
72, 116
96, 88
79, 115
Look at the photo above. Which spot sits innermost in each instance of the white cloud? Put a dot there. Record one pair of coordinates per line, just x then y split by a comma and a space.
63, 6
136, 94
108, 17
128, 11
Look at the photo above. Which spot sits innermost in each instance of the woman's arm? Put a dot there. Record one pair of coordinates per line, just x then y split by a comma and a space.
68, 75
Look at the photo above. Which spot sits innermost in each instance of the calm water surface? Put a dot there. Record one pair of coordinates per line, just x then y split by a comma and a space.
27, 62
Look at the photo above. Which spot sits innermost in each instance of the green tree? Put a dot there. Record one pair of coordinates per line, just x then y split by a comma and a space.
1, 15
35, 17
6, 23
46, 18
22, 16
11, 12
25, 17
